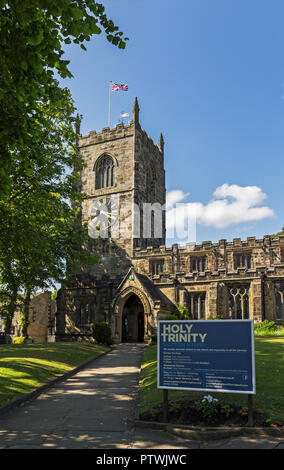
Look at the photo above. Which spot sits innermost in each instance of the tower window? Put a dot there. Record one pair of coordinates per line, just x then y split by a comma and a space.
105, 172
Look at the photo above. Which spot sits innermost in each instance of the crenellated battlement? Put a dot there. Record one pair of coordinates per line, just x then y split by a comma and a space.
107, 134
121, 131
208, 246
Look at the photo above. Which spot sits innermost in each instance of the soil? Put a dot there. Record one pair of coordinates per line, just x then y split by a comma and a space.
186, 414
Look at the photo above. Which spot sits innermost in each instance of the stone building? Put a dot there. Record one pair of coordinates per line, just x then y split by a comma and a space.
42, 314
139, 279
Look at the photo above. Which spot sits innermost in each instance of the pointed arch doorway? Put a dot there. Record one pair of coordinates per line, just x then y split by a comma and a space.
132, 320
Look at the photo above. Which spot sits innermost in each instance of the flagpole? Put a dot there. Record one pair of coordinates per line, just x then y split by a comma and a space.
109, 94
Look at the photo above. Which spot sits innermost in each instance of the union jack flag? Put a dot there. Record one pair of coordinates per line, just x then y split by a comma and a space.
116, 87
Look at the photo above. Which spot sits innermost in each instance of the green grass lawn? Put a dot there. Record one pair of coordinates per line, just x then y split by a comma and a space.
269, 365
25, 367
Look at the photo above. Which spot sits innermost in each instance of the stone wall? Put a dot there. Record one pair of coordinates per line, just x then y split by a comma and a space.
222, 280
265, 253
42, 315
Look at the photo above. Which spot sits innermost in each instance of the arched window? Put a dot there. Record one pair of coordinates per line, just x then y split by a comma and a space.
105, 172
239, 302
279, 300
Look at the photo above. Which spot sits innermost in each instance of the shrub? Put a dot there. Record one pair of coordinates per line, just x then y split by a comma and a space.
268, 328
182, 312
153, 339
216, 317
102, 333
265, 325
21, 339
210, 407
171, 317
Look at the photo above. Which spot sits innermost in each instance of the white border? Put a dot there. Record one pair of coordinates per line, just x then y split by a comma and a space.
247, 392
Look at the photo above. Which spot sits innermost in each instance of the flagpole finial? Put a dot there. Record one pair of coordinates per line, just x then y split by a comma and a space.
136, 112
161, 143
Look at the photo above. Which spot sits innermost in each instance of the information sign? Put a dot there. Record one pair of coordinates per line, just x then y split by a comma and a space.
206, 355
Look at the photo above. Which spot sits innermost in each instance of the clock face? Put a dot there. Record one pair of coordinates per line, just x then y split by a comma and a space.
103, 215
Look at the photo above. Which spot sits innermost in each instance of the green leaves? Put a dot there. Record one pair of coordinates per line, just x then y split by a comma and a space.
77, 13
32, 37
24, 65
36, 39
41, 232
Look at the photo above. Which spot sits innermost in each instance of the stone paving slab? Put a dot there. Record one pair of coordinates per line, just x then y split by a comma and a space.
154, 439
244, 442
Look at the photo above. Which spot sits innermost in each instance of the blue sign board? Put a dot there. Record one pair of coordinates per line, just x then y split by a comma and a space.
206, 355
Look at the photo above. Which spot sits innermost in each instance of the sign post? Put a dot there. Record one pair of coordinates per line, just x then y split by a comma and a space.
207, 355
250, 410
165, 405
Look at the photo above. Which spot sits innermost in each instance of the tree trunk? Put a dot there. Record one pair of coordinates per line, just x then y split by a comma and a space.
10, 312
26, 314
8, 324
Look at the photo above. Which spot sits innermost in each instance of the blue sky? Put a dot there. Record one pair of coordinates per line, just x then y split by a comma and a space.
209, 75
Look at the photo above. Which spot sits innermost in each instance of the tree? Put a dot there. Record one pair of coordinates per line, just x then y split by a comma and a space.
41, 231
50, 237
9, 293
279, 233
32, 37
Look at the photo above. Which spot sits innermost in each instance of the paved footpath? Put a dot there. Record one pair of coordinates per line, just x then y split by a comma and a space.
95, 409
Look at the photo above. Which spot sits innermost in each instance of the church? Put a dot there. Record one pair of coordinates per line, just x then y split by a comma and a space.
139, 279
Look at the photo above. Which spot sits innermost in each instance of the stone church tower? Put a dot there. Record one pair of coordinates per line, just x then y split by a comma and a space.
124, 183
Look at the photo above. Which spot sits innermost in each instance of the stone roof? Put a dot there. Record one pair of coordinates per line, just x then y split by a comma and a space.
153, 290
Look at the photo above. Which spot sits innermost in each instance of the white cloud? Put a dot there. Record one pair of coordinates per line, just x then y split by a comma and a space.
174, 197
231, 204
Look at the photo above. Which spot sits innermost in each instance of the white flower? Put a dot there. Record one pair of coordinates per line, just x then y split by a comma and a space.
209, 398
